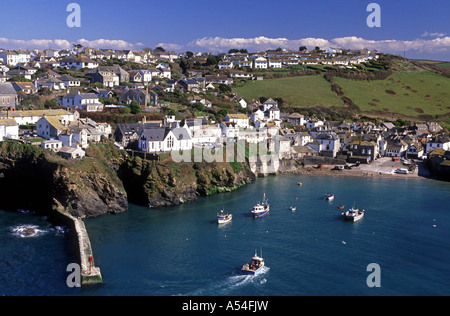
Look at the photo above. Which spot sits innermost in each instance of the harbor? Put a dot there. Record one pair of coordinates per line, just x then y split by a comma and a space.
312, 251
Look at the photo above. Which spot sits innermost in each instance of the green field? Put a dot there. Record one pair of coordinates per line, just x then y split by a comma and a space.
302, 91
411, 94
408, 93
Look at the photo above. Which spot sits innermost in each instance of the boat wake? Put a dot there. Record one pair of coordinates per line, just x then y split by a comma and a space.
237, 280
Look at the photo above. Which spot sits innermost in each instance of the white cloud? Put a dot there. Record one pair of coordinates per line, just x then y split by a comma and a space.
220, 44
170, 46
9, 43
436, 34
34, 43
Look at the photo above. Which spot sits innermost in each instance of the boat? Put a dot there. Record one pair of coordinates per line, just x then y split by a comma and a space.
223, 218
261, 209
353, 214
293, 208
341, 207
329, 197
300, 184
254, 267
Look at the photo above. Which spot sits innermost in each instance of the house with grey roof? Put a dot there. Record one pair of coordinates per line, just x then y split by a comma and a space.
84, 101
8, 96
163, 139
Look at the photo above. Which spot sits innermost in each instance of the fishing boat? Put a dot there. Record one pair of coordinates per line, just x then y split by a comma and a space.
261, 209
329, 197
254, 267
353, 214
341, 207
223, 218
293, 208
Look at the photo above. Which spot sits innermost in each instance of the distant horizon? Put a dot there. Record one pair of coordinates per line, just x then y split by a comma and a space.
123, 45
417, 28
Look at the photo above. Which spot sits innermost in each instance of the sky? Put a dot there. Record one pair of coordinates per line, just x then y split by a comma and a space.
421, 29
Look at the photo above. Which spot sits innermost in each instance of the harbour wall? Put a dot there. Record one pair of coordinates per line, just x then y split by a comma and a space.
90, 274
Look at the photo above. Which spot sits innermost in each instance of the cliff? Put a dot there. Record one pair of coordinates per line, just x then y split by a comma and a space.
106, 180
31, 178
169, 183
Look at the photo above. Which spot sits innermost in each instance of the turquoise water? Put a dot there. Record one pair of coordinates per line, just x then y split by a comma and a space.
312, 251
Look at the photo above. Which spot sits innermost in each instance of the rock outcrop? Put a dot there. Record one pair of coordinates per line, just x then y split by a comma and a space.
169, 183
32, 178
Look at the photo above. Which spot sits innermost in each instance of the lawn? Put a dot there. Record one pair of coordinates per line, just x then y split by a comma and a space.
407, 93
300, 91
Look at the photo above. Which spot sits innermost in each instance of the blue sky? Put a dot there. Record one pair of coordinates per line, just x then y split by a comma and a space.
423, 27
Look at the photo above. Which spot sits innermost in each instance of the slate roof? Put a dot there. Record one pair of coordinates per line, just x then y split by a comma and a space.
7, 89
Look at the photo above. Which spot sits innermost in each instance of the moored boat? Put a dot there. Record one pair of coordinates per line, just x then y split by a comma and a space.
262, 208
254, 267
353, 214
293, 208
329, 197
341, 207
223, 218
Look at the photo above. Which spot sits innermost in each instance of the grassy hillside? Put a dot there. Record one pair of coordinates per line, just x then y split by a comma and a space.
413, 94
303, 91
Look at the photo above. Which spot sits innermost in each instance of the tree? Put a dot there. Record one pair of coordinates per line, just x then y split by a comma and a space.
225, 88
212, 60
159, 49
199, 106
302, 48
50, 104
135, 107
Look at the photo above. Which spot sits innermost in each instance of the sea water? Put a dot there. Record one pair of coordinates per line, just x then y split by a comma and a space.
179, 251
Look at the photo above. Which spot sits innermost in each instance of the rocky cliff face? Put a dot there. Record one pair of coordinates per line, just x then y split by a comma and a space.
168, 183
31, 178
35, 179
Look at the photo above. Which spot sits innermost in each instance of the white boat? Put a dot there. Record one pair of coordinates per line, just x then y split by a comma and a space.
261, 209
353, 214
223, 218
293, 208
254, 267
329, 197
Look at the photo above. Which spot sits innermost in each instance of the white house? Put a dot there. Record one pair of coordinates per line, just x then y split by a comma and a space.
225, 64
50, 127
52, 144
83, 101
275, 63
9, 129
268, 104
240, 119
330, 143
31, 117
79, 62
415, 150
314, 123
441, 141
13, 57
260, 63
205, 134
161, 139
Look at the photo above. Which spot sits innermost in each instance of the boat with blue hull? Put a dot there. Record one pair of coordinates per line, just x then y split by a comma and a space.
262, 208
